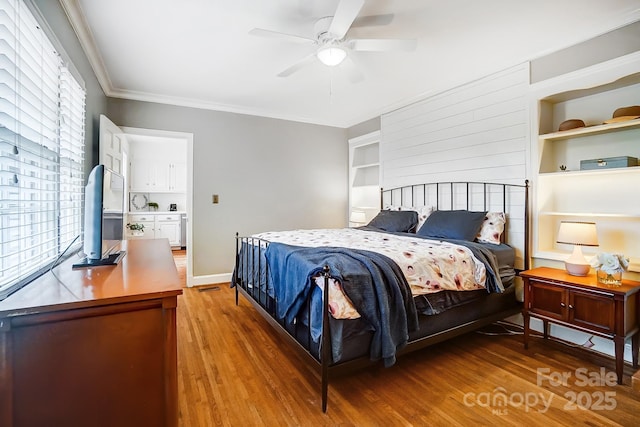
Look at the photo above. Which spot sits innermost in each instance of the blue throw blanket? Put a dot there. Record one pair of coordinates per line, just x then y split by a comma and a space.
374, 283
483, 254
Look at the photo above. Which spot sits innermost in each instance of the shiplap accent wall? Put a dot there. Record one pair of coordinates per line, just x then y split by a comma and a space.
475, 132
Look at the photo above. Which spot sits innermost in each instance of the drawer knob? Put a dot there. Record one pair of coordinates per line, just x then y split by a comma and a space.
562, 304
570, 306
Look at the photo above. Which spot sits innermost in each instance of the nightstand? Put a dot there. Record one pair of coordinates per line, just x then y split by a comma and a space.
581, 303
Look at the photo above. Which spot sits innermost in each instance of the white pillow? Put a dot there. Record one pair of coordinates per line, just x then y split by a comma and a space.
492, 228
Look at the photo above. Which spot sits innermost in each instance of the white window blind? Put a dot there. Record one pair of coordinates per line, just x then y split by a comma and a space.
71, 128
41, 149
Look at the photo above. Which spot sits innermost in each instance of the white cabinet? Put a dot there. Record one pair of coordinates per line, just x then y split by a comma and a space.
168, 226
146, 220
148, 175
178, 177
157, 226
604, 196
364, 176
158, 166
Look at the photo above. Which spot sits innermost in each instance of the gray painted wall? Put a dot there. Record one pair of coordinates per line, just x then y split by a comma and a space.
270, 174
96, 101
613, 44
364, 128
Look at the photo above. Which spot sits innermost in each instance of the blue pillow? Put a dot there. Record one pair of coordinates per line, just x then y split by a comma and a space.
458, 225
402, 221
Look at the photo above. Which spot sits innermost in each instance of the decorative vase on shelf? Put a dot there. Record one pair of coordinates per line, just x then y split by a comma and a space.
609, 279
609, 268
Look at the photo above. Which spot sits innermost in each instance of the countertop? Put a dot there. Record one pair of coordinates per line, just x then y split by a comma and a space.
155, 212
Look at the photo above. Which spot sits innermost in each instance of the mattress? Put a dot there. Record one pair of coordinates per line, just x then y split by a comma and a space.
436, 303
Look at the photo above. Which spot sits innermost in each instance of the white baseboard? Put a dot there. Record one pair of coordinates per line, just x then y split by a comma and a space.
209, 279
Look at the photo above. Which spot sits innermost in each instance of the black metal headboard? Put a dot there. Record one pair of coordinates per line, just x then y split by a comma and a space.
513, 199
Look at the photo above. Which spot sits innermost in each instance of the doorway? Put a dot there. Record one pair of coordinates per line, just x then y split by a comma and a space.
116, 150
184, 140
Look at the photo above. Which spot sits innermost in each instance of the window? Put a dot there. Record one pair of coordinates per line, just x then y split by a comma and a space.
41, 149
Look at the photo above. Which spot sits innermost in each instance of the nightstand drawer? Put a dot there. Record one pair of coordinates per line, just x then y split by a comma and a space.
592, 311
548, 300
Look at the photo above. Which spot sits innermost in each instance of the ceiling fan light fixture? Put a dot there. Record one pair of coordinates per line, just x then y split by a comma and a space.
331, 55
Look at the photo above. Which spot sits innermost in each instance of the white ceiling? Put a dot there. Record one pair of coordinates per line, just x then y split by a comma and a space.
199, 53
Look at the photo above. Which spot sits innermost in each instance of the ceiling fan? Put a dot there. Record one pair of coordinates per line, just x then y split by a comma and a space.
333, 45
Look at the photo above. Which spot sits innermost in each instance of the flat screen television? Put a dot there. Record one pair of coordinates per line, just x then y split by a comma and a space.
103, 218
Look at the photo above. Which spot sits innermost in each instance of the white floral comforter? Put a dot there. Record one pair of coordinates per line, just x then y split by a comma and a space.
428, 265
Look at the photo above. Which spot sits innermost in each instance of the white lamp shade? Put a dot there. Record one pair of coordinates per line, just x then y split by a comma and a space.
578, 234
331, 56
358, 217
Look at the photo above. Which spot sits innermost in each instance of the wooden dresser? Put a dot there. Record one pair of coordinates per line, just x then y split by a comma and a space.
97, 349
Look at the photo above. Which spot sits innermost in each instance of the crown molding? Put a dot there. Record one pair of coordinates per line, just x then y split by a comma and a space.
78, 22
85, 36
208, 105
74, 13
76, 17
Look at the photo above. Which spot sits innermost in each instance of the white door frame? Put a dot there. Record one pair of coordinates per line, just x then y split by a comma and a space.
188, 137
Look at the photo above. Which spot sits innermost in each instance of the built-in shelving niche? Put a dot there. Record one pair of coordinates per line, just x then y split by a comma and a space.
608, 197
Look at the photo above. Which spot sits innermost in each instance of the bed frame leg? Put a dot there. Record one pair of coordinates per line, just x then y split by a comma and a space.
326, 340
237, 265
325, 389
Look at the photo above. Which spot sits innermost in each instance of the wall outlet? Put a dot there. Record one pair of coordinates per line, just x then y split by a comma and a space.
215, 198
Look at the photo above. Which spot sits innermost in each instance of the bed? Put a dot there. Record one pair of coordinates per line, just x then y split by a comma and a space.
437, 261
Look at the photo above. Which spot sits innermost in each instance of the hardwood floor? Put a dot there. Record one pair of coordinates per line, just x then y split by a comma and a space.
234, 370
180, 258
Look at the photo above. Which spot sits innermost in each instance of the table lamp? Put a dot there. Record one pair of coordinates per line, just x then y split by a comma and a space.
358, 217
578, 234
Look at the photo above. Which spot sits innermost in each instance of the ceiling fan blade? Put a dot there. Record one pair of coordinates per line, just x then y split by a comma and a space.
351, 70
382, 45
298, 65
278, 35
346, 13
373, 20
